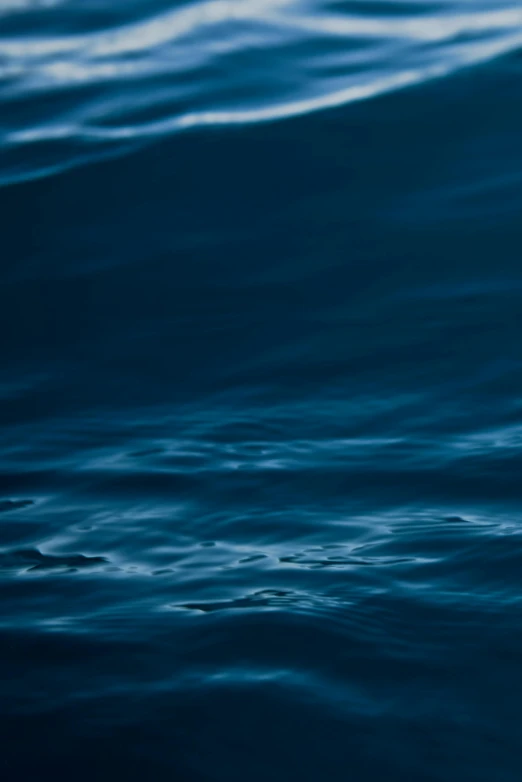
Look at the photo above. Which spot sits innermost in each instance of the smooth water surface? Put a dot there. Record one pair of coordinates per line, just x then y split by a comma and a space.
261, 409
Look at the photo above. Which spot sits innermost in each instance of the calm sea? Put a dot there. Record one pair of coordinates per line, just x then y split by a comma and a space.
261, 390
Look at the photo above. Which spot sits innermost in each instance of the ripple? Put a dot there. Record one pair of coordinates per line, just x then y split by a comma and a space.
32, 559
7, 506
265, 598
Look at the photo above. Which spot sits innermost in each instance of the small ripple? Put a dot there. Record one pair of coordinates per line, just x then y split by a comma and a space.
7, 506
29, 560
266, 598
310, 560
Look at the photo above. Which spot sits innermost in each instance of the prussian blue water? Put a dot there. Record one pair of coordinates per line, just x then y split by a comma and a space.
261, 390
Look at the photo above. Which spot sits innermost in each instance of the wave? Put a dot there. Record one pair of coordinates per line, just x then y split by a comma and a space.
72, 94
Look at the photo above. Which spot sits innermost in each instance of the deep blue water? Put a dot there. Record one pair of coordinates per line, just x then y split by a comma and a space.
261, 390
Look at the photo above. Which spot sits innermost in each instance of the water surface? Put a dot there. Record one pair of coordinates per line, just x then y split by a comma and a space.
261, 417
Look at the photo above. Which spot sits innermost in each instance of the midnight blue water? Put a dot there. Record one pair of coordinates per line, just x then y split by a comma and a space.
261, 390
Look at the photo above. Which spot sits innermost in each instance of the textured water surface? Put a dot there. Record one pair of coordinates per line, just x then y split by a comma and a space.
261, 418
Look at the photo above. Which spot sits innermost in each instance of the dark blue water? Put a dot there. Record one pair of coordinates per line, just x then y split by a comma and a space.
261, 390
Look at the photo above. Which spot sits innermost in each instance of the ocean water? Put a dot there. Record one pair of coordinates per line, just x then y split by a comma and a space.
261, 390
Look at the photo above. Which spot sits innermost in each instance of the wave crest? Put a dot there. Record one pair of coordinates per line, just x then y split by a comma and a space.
72, 94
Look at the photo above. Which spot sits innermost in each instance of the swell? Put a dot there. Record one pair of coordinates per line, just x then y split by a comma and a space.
73, 97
